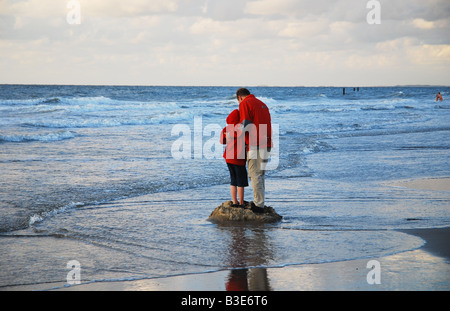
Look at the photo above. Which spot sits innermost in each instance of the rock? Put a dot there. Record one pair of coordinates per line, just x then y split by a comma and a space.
226, 213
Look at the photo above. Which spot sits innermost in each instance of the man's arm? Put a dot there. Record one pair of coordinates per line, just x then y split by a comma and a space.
244, 118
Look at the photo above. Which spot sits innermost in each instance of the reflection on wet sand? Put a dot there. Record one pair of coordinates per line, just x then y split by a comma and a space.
248, 250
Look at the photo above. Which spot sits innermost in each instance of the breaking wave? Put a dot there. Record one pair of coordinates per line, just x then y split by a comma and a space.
45, 137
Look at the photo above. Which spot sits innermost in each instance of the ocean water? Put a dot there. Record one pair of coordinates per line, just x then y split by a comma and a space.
88, 173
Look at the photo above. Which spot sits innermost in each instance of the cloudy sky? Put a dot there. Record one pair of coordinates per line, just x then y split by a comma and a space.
225, 42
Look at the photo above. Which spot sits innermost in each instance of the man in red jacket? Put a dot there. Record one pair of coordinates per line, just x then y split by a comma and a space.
255, 124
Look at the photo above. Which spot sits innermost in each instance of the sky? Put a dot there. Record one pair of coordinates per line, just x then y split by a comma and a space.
225, 42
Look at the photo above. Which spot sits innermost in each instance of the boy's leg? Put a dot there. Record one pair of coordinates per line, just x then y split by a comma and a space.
241, 195
233, 186
234, 194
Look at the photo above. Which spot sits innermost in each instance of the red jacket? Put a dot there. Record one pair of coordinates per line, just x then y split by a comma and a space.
254, 111
235, 148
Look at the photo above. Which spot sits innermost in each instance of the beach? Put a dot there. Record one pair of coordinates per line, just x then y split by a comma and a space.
120, 172
97, 188
426, 268
423, 269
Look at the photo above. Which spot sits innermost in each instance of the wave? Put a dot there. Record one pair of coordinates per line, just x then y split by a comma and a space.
378, 107
268, 101
35, 218
98, 122
53, 100
46, 137
315, 146
15, 102
381, 132
79, 104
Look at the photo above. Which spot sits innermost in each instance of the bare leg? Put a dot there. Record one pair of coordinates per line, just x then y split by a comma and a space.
241, 195
234, 194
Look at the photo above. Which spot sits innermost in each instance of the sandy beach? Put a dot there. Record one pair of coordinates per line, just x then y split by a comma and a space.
424, 269
434, 184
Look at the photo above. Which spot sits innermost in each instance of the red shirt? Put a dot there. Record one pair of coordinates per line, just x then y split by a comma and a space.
254, 111
235, 147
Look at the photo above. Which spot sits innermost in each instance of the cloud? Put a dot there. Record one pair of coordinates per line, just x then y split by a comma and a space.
288, 7
423, 24
33, 8
303, 28
285, 42
130, 8
224, 10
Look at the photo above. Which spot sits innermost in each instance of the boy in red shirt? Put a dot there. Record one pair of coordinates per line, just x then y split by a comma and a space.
235, 157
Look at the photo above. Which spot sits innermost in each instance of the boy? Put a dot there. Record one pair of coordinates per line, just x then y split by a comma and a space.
235, 158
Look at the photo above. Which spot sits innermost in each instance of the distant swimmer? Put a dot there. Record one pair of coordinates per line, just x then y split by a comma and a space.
439, 96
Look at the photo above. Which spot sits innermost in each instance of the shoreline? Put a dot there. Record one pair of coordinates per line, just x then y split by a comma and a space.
433, 184
424, 269
436, 240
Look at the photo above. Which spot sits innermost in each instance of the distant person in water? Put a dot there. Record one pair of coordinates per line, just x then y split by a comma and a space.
439, 96
235, 158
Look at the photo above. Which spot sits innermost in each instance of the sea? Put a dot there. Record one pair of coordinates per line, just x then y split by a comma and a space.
122, 179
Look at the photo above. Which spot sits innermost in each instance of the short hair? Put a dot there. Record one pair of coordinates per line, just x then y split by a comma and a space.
242, 92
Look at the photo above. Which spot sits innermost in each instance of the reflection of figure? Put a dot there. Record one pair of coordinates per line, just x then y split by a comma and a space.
237, 280
248, 248
439, 96
254, 279
258, 280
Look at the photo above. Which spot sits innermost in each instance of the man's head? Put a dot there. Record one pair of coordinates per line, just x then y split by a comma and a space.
241, 94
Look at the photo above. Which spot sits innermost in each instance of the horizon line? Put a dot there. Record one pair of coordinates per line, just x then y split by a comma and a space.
249, 86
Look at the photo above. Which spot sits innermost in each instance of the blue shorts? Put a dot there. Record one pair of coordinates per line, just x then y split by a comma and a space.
238, 175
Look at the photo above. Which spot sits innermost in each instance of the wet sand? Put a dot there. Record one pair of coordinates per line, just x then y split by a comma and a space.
423, 269
437, 240
435, 184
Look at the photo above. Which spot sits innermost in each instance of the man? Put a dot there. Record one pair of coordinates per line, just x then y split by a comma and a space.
255, 124
439, 96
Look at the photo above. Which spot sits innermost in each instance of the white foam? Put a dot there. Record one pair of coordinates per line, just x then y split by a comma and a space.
36, 218
46, 137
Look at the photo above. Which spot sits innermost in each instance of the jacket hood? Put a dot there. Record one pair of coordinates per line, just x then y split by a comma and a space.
234, 117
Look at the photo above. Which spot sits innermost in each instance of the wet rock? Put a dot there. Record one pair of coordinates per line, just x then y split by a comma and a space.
226, 213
